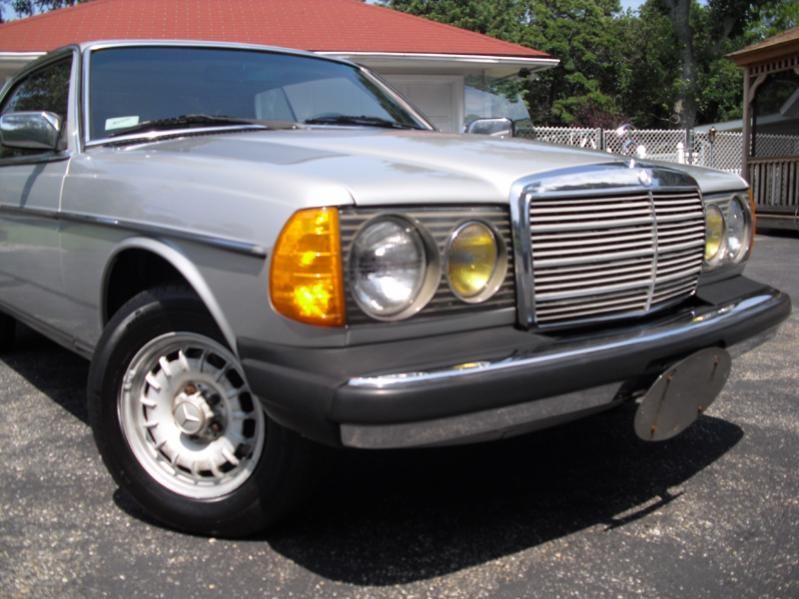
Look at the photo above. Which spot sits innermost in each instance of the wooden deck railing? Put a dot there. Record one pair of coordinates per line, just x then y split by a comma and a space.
775, 183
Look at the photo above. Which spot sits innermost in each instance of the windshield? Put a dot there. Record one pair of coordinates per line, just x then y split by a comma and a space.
132, 86
487, 98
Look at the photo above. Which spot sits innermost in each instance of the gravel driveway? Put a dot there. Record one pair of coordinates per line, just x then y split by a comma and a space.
582, 510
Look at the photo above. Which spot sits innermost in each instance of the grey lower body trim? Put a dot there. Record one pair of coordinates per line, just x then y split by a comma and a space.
748, 345
481, 426
778, 220
67, 341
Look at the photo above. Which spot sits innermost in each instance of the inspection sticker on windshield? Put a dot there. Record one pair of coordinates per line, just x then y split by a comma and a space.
120, 122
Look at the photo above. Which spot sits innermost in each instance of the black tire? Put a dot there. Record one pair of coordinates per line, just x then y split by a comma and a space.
278, 478
8, 328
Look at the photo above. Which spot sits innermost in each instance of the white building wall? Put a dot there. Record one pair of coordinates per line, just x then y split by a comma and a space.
439, 97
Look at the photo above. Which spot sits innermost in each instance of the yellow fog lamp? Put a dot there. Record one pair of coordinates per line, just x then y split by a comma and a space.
305, 280
476, 262
715, 230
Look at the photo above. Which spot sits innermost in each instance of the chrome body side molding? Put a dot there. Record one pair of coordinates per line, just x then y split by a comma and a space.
223, 243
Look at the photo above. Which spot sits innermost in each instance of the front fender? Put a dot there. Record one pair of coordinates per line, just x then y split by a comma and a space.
183, 265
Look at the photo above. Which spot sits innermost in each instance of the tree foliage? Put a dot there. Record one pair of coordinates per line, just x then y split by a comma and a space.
27, 8
582, 34
662, 66
585, 36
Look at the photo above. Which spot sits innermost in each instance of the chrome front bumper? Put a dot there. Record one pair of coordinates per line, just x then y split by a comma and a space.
494, 382
540, 413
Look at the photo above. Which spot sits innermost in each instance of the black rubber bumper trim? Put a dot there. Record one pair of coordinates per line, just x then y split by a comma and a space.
306, 388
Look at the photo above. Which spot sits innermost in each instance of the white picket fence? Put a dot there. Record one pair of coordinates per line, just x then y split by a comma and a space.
671, 145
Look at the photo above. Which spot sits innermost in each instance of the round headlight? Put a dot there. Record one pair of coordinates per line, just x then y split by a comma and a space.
738, 229
388, 268
714, 233
476, 262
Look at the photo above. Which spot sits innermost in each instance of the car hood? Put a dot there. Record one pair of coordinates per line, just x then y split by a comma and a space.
378, 166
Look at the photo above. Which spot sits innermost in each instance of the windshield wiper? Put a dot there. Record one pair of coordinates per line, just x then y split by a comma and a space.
199, 120
366, 121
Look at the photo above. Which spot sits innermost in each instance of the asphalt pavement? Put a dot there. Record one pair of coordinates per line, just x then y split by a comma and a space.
582, 510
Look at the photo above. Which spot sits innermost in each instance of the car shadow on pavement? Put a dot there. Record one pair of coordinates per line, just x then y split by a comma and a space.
56, 372
398, 517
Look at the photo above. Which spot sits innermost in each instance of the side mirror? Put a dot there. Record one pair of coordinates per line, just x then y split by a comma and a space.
499, 127
30, 130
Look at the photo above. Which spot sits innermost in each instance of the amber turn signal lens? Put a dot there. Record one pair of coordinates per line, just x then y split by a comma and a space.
306, 281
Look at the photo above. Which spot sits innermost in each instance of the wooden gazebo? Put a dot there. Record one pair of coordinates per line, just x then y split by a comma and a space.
771, 126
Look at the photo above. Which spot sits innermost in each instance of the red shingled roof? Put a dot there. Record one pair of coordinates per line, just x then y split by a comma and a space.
323, 25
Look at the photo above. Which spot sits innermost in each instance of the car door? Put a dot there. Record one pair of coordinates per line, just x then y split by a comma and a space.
31, 284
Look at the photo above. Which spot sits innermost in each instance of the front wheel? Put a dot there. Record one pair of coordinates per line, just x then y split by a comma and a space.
179, 428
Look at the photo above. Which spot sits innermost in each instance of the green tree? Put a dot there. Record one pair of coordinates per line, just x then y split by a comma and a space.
27, 8
586, 36
660, 67
648, 86
502, 19
698, 83
583, 34
773, 18
750, 21
685, 106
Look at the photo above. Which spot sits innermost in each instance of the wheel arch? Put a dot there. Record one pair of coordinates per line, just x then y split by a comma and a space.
172, 266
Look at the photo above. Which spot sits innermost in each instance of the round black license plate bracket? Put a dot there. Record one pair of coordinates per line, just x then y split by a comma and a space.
681, 394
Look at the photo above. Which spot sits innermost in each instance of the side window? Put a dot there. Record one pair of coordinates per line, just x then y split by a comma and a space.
44, 89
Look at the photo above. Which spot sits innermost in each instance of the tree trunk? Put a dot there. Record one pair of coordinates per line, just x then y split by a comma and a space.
685, 107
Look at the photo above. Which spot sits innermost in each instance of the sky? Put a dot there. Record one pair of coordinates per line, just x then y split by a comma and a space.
634, 4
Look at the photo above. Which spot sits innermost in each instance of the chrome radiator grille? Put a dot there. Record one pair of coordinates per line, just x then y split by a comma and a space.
597, 257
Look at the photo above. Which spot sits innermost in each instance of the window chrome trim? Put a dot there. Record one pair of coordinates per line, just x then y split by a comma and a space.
394, 95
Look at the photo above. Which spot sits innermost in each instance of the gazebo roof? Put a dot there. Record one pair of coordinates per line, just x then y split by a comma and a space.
782, 44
